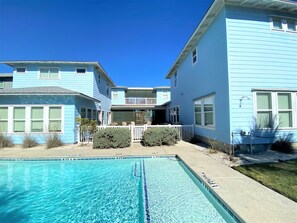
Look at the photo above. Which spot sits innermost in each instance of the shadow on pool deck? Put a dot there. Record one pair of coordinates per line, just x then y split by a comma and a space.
249, 199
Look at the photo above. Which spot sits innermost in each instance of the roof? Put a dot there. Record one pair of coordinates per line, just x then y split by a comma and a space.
5, 74
95, 64
277, 5
50, 90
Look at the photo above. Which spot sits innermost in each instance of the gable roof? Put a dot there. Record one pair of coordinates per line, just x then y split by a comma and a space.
96, 65
50, 90
213, 11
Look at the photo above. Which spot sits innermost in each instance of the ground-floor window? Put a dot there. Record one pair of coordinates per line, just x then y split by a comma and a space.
174, 115
88, 113
31, 119
275, 109
204, 111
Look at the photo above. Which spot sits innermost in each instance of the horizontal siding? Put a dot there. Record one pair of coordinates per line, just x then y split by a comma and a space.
257, 58
69, 79
208, 75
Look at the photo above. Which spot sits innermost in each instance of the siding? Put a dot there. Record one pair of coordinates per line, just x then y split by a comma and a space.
69, 79
160, 99
257, 58
121, 97
208, 75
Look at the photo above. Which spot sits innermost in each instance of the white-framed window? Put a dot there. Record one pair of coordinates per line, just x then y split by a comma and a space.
1, 84
89, 113
55, 119
283, 24
49, 73
81, 70
204, 109
83, 112
107, 89
19, 119
275, 109
99, 79
174, 115
94, 114
194, 56
21, 69
37, 119
115, 95
175, 79
3, 119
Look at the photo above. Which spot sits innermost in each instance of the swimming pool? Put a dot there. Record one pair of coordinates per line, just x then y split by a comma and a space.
105, 190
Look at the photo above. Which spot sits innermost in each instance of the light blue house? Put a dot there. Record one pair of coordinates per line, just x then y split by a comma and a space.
238, 73
47, 96
140, 105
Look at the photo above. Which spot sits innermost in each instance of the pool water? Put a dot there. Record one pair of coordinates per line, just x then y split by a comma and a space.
108, 190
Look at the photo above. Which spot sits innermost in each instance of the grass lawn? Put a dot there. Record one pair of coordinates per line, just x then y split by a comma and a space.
281, 177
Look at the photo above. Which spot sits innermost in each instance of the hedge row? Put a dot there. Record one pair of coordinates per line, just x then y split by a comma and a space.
121, 138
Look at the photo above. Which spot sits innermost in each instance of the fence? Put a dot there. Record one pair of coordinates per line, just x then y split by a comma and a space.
186, 132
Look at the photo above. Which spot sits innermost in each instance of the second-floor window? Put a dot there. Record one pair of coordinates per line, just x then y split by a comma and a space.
175, 79
115, 95
49, 73
81, 70
21, 70
283, 24
107, 89
194, 56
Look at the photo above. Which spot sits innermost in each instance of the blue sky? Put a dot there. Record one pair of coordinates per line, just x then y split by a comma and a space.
136, 41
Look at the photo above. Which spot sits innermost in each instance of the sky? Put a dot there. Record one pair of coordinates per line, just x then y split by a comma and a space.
135, 41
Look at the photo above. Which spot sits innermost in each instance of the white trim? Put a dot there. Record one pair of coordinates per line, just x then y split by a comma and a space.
202, 99
196, 55
284, 24
59, 73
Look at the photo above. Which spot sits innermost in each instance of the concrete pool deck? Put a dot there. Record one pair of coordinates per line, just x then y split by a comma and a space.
252, 201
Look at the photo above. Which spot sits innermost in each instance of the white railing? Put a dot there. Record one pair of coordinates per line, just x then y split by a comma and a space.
140, 101
186, 132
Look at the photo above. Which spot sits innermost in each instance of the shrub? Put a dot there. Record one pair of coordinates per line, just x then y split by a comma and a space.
283, 145
53, 141
5, 141
29, 142
160, 136
112, 138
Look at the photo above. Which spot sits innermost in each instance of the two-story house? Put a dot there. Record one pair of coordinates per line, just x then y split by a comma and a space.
47, 97
140, 105
238, 73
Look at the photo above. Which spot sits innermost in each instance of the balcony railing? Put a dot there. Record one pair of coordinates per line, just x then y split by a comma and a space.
141, 101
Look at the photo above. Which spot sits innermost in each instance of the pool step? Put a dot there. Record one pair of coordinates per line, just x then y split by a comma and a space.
210, 181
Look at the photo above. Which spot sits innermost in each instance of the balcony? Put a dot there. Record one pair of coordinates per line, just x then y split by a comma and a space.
140, 101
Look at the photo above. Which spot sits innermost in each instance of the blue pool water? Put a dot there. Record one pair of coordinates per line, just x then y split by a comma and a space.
109, 190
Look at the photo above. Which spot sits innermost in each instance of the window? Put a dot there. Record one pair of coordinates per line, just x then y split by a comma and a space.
20, 69
277, 23
285, 109
275, 109
194, 56
204, 111
55, 119
99, 79
94, 115
89, 115
3, 119
175, 79
1, 84
81, 70
291, 25
174, 113
107, 89
283, 24
264, 110
19, 119
115, 95
83, 113
49, 73
37, 119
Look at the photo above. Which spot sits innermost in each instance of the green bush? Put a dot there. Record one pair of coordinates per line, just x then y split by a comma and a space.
160, 136
53, 141
29, 141
5, 141
112, 138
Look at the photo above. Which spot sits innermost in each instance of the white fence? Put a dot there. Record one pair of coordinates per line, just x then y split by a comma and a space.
186, 132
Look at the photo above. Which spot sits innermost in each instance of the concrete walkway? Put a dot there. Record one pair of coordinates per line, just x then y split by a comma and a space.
250, 200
